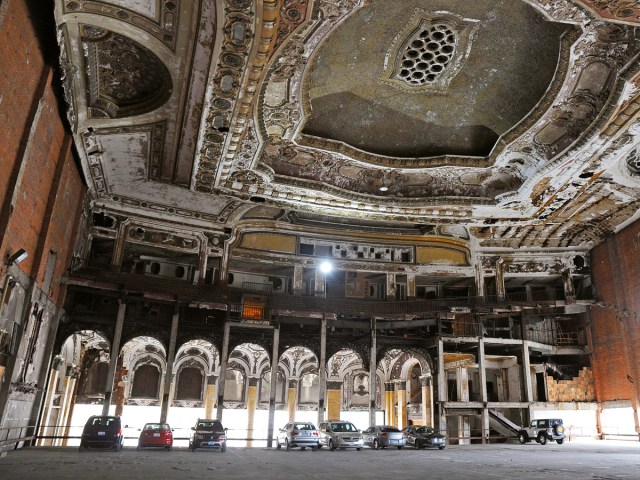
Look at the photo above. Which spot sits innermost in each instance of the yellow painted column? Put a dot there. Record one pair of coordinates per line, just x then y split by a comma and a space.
210, 396
388, 403
292, 399
252, 403
121, 387
402, 404
427, 395
334, 400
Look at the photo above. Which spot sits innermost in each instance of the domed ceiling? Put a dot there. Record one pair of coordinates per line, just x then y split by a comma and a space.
515, 119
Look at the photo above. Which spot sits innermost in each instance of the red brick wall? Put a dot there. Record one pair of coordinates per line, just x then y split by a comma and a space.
616, 318
20, 76
42, 192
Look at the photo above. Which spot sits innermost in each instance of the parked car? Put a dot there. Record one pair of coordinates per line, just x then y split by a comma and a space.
102, 431
543, 430
383, 436
340, 434
419, 436
208, 434
298, 434
156, 435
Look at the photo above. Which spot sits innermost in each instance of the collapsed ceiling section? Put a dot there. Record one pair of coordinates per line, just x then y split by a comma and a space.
517, 120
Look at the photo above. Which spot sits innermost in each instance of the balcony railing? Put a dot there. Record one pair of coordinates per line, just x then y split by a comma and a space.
282, 303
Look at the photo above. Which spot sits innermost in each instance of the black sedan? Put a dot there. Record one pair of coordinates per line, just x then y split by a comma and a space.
423, 437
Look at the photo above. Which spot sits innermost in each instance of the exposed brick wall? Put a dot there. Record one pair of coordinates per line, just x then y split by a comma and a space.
20, 80
578, 389
42, 191
616, 317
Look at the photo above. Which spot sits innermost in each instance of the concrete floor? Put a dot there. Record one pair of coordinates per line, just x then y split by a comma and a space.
576, 460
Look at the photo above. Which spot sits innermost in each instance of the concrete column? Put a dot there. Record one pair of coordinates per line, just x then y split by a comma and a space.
320, 283
411, 286
298, 276
569, 289
114, 353
482, 374
501, 291
479, 278
464, 430
210, 396
322, 370
389, 401
426, 382
252, 403
373, 367
391, 286
169, 377
462, 383
442, 390
402, 403
223, 369
274, 384
292, 399
48, 409
334, 400
526, 373
65, 403
203, 258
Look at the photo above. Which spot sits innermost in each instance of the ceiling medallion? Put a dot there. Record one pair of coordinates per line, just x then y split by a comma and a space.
429, 52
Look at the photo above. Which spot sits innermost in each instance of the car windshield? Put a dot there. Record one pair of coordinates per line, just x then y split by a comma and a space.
389, 429
304, 426
425, 430
102, 421
210, 426
157, 426
343, 427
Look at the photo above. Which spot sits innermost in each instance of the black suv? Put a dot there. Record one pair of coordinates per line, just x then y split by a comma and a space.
103, 431
544, 430
208, 434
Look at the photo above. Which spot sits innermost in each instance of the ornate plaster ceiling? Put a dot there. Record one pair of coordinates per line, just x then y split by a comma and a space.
516, 119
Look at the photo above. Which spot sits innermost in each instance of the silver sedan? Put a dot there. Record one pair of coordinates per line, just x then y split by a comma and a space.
298, 434
382, 436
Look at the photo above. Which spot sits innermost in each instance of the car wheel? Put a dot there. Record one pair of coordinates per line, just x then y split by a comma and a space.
313, 449
83, 447
523, 438
223, 448
193, 448
302, 448
399, 448
542, 439
278, 446
118, 447
441, 448
559, 441
138, 448
376, 445
358, 449
286, 444
332, 447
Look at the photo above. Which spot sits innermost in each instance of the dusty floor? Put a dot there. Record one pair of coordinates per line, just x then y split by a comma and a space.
576, 460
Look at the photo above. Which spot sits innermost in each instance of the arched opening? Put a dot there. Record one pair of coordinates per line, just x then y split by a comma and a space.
189, 384
146, 382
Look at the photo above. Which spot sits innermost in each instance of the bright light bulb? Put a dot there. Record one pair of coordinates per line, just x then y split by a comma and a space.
326, 267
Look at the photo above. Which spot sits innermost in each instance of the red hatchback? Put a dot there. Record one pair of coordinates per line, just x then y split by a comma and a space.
156, 435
